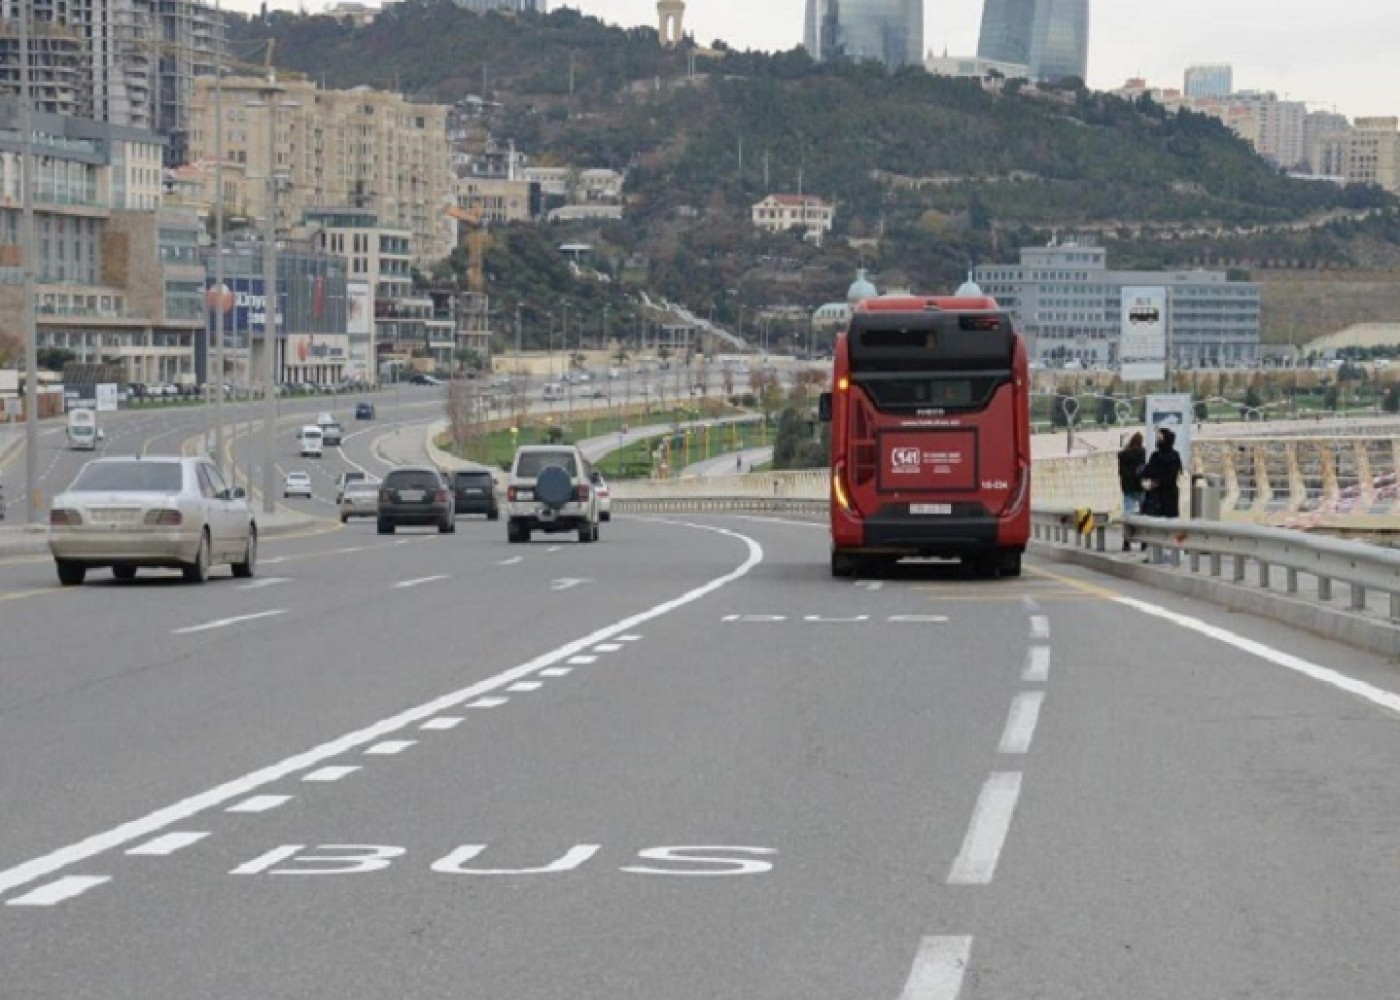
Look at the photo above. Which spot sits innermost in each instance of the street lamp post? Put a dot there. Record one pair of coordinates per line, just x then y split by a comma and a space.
27, 244
218, 244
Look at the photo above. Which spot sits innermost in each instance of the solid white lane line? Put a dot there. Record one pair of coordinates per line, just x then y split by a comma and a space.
488, 703
137, 829
556, 671
226, 622
607, 647
1379, 697
406, 584
56, 892
514, 561
442, 723
1037, 665
976, 863
1040, 627
387, 748
525, 686
1021, 722
331, 773
938, 969
168, 844
259, 804
582, 661
270, 581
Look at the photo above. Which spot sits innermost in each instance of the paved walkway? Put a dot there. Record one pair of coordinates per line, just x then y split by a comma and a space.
729, 464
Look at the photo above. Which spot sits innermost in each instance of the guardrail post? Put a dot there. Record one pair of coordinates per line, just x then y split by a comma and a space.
1358, 597
1239, 569
1263, 574
1395, 606
1101, 535
1215, 564
1195, 561
1324, 588
1292, 581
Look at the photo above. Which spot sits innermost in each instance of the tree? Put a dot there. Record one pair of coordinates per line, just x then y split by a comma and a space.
11, 350
463, 408
54, 358
1391, 401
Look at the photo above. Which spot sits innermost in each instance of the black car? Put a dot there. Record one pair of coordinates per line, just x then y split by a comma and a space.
475, 493
416, 495
364, 411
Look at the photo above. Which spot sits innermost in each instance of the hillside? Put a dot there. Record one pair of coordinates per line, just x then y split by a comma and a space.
929, 175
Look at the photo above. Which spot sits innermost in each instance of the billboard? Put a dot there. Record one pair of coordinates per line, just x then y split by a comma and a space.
317, 349
107, 397
1142, 351
1176, 412
9, 381
359, 320
244, 304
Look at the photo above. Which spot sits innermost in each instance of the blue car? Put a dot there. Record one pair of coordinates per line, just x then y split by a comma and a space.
364, 411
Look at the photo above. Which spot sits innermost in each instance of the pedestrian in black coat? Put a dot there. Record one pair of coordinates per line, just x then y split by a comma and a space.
1162, 477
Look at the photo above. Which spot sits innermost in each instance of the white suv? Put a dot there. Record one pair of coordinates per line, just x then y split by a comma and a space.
551, 490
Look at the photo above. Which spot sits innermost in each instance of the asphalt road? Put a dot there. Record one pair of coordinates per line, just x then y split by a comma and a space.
683, 763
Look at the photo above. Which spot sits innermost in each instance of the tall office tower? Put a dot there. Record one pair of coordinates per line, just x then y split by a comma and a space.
889, 31
1210, 81
1049, 36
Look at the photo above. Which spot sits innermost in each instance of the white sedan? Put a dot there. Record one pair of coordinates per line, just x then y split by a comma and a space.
131, 513
600, 487
297, 484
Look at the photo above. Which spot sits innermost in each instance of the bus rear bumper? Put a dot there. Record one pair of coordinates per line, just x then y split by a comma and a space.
945, 537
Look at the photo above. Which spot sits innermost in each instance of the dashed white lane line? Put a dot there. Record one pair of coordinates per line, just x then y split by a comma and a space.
581, 661
259, 804
331, 773
607, 647
273, 561
525, 686
387, 748
556, 671
1037, 665
217, 796
1021, 722
168, 844
226, 622
56, 892
488, 703
554, 548
444, 722
513, 561
629, 638
976, 863
871, 585
263, 584
407, 584
938, 969
1040, 627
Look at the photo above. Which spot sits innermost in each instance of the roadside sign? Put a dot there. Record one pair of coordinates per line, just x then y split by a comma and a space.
106, 397
1142, 349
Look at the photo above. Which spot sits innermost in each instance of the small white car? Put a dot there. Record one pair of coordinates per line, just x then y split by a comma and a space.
310, 441
297, 484
604, 494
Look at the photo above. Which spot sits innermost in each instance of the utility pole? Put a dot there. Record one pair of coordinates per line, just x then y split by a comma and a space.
269, 95
219, 244
27, 244
517, 335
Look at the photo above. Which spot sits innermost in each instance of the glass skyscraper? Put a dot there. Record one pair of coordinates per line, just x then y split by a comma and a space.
1049, 36
889, 31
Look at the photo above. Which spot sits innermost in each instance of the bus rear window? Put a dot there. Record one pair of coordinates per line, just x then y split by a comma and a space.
931, 392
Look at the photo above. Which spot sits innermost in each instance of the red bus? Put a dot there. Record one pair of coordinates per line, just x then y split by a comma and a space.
930, 436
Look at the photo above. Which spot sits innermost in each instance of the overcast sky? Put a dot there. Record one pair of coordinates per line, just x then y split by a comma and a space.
1331, 53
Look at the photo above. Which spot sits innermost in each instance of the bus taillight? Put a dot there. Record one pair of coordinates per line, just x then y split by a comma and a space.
838, 486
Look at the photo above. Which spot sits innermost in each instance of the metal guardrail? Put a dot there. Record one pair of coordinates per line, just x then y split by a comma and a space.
1083, 528
720, 505
1360, 567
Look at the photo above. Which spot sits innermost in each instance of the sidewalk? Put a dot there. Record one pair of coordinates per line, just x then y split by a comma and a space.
729, 464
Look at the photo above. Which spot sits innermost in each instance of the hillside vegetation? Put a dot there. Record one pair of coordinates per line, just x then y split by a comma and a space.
930, 175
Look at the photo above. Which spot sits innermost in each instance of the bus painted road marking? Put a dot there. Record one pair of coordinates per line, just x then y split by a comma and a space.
938, 969
1021, 722
168, 844
976, 863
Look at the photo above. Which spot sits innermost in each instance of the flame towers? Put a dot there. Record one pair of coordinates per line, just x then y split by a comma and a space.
1049, 36
888, 31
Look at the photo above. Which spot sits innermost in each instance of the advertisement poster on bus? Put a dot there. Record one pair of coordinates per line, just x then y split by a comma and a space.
1142, 352
1176, 413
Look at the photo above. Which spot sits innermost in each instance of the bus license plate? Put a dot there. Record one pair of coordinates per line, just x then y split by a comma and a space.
932, 509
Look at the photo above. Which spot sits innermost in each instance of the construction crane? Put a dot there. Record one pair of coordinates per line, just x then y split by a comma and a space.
478, 242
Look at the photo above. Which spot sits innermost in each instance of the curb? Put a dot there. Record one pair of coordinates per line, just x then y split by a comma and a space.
1326, 622
24, 542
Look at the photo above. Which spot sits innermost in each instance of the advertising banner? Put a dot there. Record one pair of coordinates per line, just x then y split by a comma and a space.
317, 349
245, 309
1175, 412
1142, 352
359, 318
106, 397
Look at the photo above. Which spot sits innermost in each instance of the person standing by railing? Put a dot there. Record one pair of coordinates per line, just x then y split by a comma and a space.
1132, 460
1162, 477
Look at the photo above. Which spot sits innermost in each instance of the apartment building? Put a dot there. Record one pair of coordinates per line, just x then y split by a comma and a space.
1372, 153
119, 279
124, 62
364, 148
